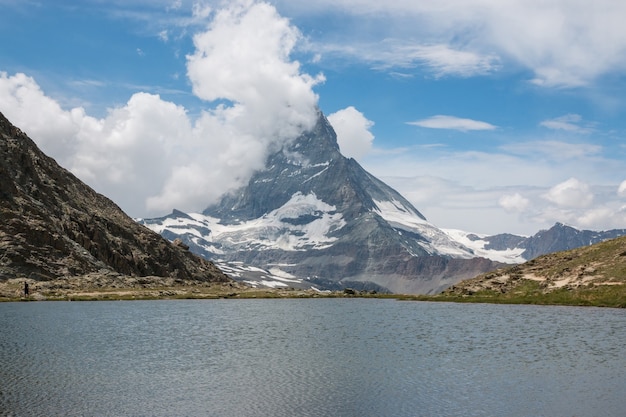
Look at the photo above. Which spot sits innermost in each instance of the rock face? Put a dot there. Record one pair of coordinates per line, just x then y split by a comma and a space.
314, 216
561, 237
53, 225
510, 248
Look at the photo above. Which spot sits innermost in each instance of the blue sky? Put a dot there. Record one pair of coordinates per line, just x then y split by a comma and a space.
489, 115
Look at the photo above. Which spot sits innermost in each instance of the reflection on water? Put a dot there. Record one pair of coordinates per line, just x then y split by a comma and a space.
310, 358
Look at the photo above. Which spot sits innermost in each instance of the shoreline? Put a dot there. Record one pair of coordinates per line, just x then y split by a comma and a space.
96, 287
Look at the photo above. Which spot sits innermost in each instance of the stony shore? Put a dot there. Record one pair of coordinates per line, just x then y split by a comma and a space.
94, 287
119, 287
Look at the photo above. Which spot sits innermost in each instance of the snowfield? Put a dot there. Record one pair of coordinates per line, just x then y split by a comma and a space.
438, 242
510, 256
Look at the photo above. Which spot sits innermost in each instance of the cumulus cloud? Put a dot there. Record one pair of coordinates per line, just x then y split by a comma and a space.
353, 132
571, 193
505, 190
54, 129
452, 122
149, 155
244, 57
514, 202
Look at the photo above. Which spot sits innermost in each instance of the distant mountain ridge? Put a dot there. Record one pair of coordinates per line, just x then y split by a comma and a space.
313, 217
511, 248
53, 225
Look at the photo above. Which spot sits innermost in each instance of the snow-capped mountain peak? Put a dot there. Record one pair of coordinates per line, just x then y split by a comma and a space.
316, 216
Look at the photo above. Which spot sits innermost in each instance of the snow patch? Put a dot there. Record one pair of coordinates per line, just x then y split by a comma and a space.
305, 222
508, 256
395, 212
436, 241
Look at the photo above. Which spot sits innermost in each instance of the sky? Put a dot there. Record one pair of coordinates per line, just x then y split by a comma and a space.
490, 116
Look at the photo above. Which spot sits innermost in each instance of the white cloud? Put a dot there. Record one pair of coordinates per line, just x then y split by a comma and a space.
553, 150
514, 202
54, 129
590, 219
568, 123
441, 59
353, 132
503, 190
148, 155
175, 5
243, 57
571, 194
452, 122
564, 43
621, 190
199, 10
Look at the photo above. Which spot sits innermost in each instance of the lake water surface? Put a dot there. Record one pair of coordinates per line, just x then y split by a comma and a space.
313, 357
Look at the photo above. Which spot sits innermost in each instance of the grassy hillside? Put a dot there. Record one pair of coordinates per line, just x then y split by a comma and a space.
591, 275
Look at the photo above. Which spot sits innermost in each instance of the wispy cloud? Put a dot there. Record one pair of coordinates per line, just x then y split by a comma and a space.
87, 83
565, 44
569, 123
453, 123
553, 150
392, 54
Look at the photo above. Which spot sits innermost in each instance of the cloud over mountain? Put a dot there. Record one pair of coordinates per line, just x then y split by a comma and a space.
149, 154
353, 132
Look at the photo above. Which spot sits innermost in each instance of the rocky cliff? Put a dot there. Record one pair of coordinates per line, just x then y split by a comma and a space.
53, 225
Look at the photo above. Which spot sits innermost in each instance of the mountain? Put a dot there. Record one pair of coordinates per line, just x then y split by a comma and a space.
510, 248
313, 217
53, 225
588, 275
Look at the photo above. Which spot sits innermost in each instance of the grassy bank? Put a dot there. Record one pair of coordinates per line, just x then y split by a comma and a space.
97, 288
532, 292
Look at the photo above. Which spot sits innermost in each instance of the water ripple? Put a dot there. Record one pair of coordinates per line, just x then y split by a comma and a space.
309, 358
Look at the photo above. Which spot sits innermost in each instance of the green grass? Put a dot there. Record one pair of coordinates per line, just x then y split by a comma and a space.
531, 292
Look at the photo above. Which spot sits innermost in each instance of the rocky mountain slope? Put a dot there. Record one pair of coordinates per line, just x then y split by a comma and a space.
53, 225
510, 248
587, 272
313, 217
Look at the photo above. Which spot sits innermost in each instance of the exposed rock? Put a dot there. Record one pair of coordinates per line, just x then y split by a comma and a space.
558, 238
53, 225
601, 264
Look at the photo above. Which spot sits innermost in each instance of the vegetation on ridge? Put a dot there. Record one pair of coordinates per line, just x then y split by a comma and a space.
592, 275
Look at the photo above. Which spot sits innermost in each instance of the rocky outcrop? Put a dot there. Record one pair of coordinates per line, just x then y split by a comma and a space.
598, 265
54, 225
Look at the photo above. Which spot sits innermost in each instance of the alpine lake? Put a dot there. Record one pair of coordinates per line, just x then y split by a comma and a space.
310, 357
